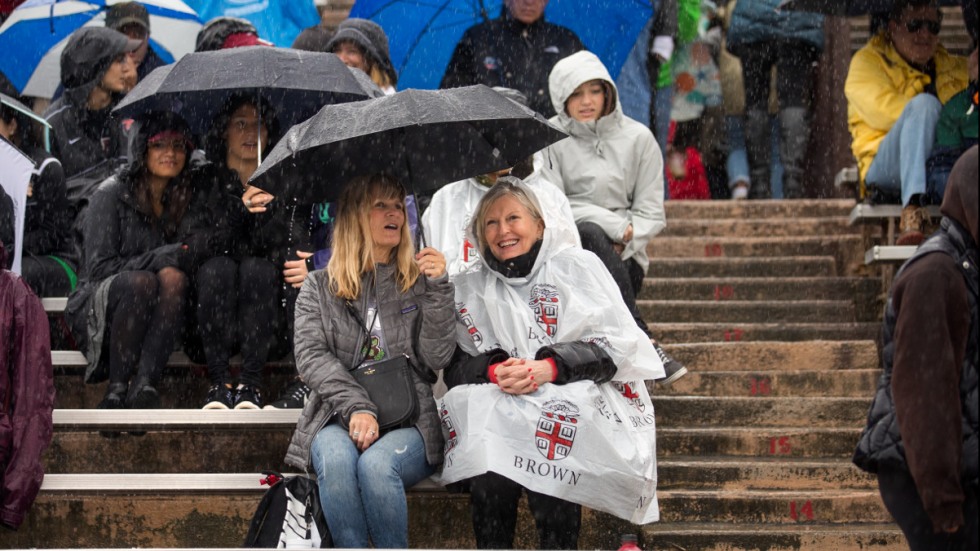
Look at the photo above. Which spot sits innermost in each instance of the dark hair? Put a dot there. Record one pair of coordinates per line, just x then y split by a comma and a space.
22, 137
136, 174
215, 145
899, 7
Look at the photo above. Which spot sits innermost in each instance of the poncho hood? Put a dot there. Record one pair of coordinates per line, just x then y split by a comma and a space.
570, 73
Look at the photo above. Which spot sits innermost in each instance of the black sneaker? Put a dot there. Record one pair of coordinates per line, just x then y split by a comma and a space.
146, 397
293, 397
248, 397
220, 396
673, 369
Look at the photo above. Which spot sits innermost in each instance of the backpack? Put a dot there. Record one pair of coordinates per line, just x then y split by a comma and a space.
289, 515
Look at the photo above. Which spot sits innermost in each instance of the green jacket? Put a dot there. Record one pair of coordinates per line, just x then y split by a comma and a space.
958, 120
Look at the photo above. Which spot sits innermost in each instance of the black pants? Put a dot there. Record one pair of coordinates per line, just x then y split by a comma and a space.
628, 274
237, 310
902, 500
145, 312
494, 499
45, 276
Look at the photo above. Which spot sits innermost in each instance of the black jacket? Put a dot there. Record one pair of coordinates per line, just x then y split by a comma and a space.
505, 52
576, 361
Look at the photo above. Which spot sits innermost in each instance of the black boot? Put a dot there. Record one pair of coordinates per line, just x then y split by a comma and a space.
794, 136
758, 147
115, 398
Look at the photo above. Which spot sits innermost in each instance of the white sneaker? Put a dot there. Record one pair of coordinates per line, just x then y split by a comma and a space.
740, 191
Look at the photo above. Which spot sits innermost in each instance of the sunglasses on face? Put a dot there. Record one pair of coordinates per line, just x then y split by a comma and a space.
917, 25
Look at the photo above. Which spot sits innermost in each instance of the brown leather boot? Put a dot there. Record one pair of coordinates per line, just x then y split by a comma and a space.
912, 224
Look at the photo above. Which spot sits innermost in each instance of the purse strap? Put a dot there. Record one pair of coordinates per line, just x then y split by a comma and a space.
428, 375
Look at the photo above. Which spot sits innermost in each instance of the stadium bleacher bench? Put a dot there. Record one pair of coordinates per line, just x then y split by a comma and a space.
888, 253
128, 483
888, 217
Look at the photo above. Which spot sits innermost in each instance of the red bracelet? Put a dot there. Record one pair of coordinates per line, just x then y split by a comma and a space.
491, 372
554, 368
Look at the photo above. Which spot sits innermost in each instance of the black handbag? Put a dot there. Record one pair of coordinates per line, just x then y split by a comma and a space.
390, 385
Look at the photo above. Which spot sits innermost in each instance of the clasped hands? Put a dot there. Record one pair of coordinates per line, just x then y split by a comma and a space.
522, 376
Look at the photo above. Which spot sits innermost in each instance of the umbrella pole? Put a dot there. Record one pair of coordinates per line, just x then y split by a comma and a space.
258, 107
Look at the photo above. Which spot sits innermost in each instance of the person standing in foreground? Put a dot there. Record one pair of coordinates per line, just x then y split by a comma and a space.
26, 395
377, 299
516, 50
921, 437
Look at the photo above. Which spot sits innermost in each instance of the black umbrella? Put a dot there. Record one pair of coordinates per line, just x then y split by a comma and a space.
296, 83
848, 7
426, 138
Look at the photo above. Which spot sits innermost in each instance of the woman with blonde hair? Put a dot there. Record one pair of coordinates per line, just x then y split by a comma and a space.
376, 300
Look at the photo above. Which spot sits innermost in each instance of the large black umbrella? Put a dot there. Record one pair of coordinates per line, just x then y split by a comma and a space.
848, 7
426, 138
296, 84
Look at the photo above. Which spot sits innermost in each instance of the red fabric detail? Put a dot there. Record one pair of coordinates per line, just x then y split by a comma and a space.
491, 372
695, 183
554, 368
237, 40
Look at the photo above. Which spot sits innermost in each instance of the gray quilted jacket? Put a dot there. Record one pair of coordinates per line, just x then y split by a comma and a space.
419, 323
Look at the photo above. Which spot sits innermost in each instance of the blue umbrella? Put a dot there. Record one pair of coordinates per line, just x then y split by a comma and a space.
32, 38
422, 34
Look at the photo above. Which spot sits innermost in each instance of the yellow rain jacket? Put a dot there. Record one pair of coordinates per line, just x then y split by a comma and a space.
880, 83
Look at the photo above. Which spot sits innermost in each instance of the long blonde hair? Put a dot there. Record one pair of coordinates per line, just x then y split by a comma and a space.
353, 245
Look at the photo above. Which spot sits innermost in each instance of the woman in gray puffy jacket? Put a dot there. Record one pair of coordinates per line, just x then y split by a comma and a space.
377, 299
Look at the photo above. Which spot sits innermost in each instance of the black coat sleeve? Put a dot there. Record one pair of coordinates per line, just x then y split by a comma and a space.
7, 224
466, 370
578, 361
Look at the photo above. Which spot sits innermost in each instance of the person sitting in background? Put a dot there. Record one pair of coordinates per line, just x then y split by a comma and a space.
516, 50
612, 172
239, 291
142, 236
896, 87
362, 44
132, 19
222, 33
377, 299
313, 39
956, 132
96, 71
47, 264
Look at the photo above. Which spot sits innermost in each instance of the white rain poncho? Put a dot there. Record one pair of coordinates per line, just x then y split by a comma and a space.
589, 444
446, 221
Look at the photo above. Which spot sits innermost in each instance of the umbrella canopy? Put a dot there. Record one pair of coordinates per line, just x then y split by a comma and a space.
26, 111
422, 34
34, 36
848, 7
425, 138
295, 83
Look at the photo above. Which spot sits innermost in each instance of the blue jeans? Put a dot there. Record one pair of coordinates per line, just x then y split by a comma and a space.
900, 163
737, 164
363, 494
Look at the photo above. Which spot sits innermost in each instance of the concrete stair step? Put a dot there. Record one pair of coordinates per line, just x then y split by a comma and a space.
788, 266
752, 356
773, 506
841, 247
777, 442
723, 288
722, 473
673, 536
747, 311
737, 331
754, 227
772, 208
853, 383
758, 411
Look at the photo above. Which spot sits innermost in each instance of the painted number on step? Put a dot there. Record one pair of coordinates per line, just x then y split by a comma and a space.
804, 512
733, 334
713, 249
760, 386
724, 292
780, 445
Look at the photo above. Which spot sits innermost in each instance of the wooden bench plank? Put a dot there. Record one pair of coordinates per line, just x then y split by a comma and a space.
892, 253
173, 419
54, 305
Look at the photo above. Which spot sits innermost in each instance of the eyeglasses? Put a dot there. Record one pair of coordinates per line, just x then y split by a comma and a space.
178, 145
917, 25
